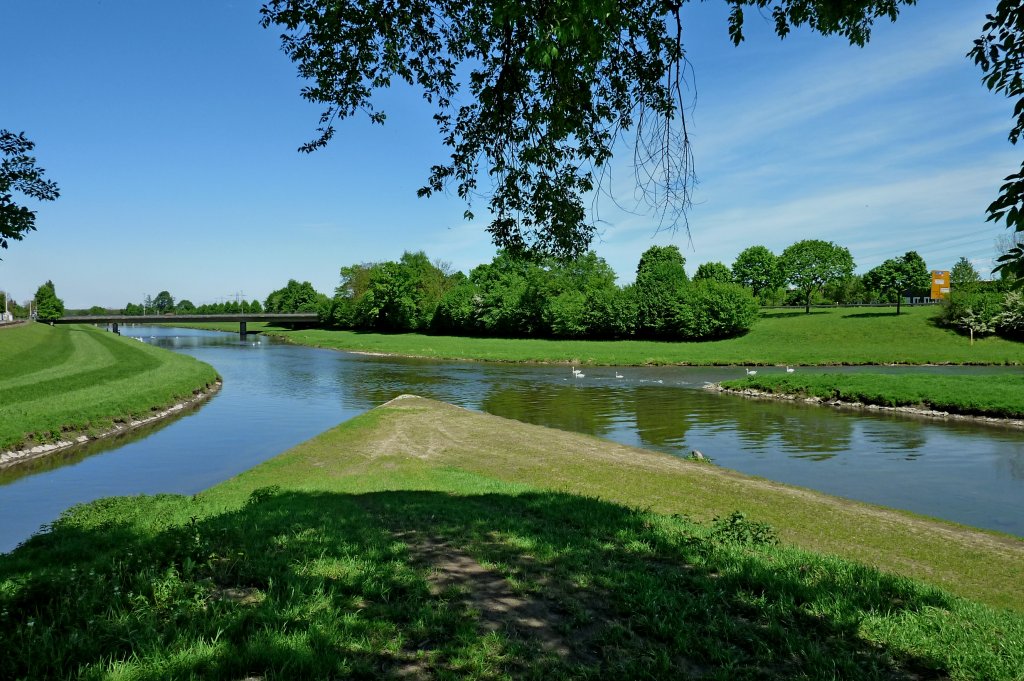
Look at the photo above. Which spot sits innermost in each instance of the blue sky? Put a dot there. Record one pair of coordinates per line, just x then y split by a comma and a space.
172, 130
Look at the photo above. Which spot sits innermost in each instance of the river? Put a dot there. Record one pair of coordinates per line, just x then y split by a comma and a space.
276, 395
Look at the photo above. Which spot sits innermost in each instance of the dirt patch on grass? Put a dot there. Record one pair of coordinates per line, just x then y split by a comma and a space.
486, 593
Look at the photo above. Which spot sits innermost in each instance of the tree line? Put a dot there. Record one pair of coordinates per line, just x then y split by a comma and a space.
515, 296
539, 297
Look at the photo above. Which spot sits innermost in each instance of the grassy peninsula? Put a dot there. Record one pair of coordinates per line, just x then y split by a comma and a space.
425, 541
780, 337
60, 379
998, 396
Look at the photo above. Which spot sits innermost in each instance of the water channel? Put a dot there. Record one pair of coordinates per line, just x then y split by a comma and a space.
276, 395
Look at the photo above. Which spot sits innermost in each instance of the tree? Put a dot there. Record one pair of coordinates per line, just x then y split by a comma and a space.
963, 274
810, 264
294, 297
1000, 54
48, 306
164, 303
502, 296
713, 271
133, 309
550, 89
389, 302
185, 307
18, 173
757, 268
660, 278
847, 290
895, 276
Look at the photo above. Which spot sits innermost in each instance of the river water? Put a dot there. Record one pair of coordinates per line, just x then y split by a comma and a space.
276, 395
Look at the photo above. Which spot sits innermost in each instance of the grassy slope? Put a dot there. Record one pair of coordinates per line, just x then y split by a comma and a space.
327, 575
997, 396
840, 336
58, 379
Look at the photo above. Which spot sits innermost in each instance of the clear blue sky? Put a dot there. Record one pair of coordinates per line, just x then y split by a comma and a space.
172, 130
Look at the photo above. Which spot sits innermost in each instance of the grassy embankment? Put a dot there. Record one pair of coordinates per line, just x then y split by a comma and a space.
997, 396
421, 540
60, 379
839, 336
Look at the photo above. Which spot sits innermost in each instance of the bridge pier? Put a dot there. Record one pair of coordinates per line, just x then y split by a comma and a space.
241, 330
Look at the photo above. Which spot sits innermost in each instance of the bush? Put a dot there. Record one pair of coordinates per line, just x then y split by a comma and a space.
973, 309
710, 309
739, 529
1011, 320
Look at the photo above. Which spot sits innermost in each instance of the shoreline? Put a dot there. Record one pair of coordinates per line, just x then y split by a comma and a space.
15, 457
752, 393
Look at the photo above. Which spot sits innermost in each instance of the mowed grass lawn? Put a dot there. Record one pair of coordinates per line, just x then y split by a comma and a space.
1000, 396
60, 379
420, 540
825, 336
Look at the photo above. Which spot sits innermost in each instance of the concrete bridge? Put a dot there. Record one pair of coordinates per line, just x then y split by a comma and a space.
242, 319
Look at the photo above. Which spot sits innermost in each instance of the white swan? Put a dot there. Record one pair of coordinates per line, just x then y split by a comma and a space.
750, 372
618, 375
789, 370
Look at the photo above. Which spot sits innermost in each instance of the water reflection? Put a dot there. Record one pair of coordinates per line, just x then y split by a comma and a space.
276, 395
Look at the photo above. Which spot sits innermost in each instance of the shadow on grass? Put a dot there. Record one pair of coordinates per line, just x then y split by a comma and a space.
794, 313
891, 314
318, 585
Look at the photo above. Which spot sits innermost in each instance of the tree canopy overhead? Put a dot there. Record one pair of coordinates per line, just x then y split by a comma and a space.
532, 97
19, 173
1000, 54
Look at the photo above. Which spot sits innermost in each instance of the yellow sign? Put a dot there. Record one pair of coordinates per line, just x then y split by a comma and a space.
940, 284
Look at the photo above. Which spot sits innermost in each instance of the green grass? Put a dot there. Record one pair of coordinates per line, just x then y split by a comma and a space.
55, 380
839, 336
319, 564
998, 396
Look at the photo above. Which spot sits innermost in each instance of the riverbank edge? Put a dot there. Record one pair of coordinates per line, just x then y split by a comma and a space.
753, 393
583, 362
14, 457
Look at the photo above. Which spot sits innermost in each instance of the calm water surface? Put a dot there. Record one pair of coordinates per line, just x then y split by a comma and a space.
276, 395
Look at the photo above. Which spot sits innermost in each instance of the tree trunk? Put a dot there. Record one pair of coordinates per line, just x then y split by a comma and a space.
807, 308
899, 298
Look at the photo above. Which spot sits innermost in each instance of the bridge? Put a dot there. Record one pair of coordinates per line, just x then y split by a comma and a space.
242, 319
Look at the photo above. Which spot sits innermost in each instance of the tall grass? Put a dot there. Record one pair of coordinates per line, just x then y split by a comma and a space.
55, 380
